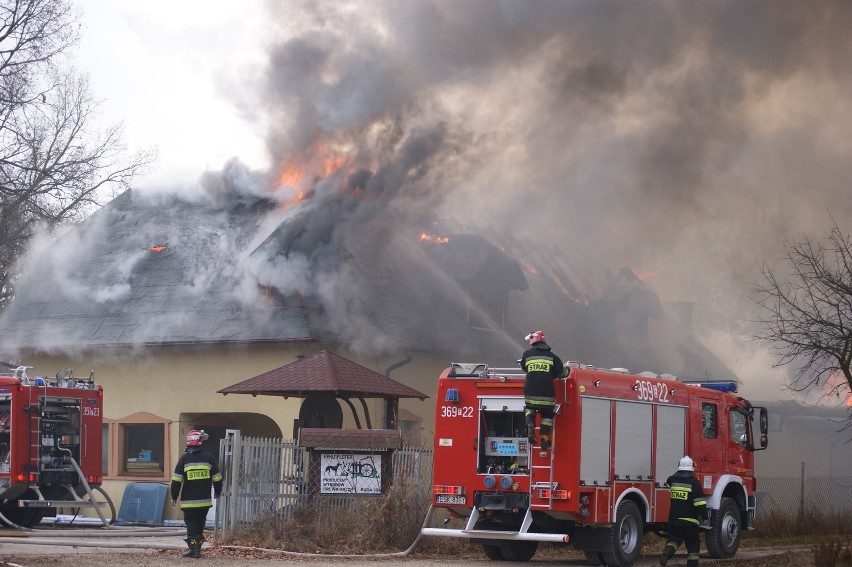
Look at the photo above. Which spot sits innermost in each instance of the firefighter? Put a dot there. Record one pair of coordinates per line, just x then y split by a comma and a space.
542, 367
687, 515
195, 474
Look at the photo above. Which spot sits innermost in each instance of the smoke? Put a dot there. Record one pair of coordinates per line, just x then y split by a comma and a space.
686, 140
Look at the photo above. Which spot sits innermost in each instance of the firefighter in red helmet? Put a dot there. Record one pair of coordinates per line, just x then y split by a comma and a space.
542, 366
195, 474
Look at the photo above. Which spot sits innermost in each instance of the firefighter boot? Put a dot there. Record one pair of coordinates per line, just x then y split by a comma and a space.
531, 429
194, 548
545, 442
668, 552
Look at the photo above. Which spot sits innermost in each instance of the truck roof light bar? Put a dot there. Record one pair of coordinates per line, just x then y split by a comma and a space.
720, 385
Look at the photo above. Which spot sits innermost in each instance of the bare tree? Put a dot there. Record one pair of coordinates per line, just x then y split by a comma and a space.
807, 315
53, 167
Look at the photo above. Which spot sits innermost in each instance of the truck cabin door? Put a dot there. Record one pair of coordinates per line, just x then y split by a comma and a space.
713, 441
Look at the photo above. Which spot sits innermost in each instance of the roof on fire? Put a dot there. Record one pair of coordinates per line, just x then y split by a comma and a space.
164, 270
143, 271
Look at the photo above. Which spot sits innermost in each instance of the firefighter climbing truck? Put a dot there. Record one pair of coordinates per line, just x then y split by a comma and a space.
616, 439
50, 447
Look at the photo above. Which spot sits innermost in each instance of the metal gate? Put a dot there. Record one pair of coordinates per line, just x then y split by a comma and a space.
268, 475
261, 475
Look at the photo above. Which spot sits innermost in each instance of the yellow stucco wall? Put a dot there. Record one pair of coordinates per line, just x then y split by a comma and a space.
182, 382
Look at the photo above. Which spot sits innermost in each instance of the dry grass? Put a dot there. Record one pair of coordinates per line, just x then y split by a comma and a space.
391, 524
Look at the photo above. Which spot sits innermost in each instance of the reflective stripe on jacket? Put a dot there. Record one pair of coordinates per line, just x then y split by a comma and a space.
195, 475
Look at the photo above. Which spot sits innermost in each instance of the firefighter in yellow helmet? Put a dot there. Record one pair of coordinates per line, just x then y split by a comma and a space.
542, 367
195, 475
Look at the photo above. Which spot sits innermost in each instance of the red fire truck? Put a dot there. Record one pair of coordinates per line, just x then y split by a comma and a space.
50, 447
616, 439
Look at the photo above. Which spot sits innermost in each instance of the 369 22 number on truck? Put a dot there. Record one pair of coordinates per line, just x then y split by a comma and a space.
616, 438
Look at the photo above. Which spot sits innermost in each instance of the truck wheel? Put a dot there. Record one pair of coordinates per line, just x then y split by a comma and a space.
22, 517
723, 539
492, 552
625, 539
518, 550
594, 557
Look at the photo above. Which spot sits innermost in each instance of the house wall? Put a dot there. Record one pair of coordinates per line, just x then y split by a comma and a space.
176, 387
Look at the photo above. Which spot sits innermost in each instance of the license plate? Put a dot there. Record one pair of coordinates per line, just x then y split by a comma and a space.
445, 499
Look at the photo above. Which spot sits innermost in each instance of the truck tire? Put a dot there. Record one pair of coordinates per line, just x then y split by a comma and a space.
17, 517
723, 539
625, 539
492, 552
594, 557
518, 550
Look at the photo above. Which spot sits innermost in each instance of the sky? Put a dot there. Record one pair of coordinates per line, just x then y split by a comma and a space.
173, 74
685, 140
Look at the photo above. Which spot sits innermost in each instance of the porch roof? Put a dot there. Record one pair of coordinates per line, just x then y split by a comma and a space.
323, 372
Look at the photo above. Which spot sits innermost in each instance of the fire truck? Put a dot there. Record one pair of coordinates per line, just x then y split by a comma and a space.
616, 439
50, 447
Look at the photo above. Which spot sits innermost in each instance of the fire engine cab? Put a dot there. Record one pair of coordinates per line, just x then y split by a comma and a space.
50, 447
616, 438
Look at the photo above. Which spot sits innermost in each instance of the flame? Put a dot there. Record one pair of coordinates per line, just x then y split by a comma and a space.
158, 248
436, 239
643, 276
300, 175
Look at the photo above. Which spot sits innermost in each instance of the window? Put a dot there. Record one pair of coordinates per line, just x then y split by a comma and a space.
138, 446
739, 429
142, 449
709, 420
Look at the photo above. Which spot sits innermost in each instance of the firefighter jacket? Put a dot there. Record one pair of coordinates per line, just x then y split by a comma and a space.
689, 505
541, 366
196, 473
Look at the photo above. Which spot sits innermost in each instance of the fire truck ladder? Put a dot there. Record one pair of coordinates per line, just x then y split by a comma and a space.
536, 454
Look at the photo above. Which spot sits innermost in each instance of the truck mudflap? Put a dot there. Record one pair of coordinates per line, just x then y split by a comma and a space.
469, 531
752, 512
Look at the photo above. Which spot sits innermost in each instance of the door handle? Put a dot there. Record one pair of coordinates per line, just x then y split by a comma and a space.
704, 459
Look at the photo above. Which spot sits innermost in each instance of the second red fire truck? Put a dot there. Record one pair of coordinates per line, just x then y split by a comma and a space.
616, 439
50, 447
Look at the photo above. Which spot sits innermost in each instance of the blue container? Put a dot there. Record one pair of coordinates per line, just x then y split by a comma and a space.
143, 503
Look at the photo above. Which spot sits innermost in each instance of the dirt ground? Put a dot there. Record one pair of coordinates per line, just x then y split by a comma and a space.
19, 554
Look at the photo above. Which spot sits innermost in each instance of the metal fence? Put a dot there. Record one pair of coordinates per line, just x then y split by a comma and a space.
269, 476
789, 496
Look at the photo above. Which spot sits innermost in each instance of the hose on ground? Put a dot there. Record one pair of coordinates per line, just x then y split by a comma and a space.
121, 532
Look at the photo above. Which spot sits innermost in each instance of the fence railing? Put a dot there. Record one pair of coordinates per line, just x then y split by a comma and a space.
265, 475
270, 476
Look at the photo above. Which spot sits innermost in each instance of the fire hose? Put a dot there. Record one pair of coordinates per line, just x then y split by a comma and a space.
150, 532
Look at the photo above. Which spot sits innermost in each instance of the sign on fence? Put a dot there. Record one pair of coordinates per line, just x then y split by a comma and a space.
351, 474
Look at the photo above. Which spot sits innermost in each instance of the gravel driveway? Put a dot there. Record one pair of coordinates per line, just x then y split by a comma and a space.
163, 548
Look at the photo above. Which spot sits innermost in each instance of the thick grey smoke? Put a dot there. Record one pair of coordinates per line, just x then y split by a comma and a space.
686, 140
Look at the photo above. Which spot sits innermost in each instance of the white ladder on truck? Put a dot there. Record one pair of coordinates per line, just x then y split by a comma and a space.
546, 468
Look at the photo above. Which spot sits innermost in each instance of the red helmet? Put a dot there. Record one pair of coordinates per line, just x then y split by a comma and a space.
536, 337
195, 438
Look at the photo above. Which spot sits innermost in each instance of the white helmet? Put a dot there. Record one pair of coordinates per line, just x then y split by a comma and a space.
686, 464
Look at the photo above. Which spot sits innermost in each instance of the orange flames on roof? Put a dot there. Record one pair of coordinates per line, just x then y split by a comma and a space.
158, 248
301, 176
436, 239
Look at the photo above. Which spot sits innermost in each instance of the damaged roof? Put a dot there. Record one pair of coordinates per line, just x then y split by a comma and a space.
142, 271
152, 270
